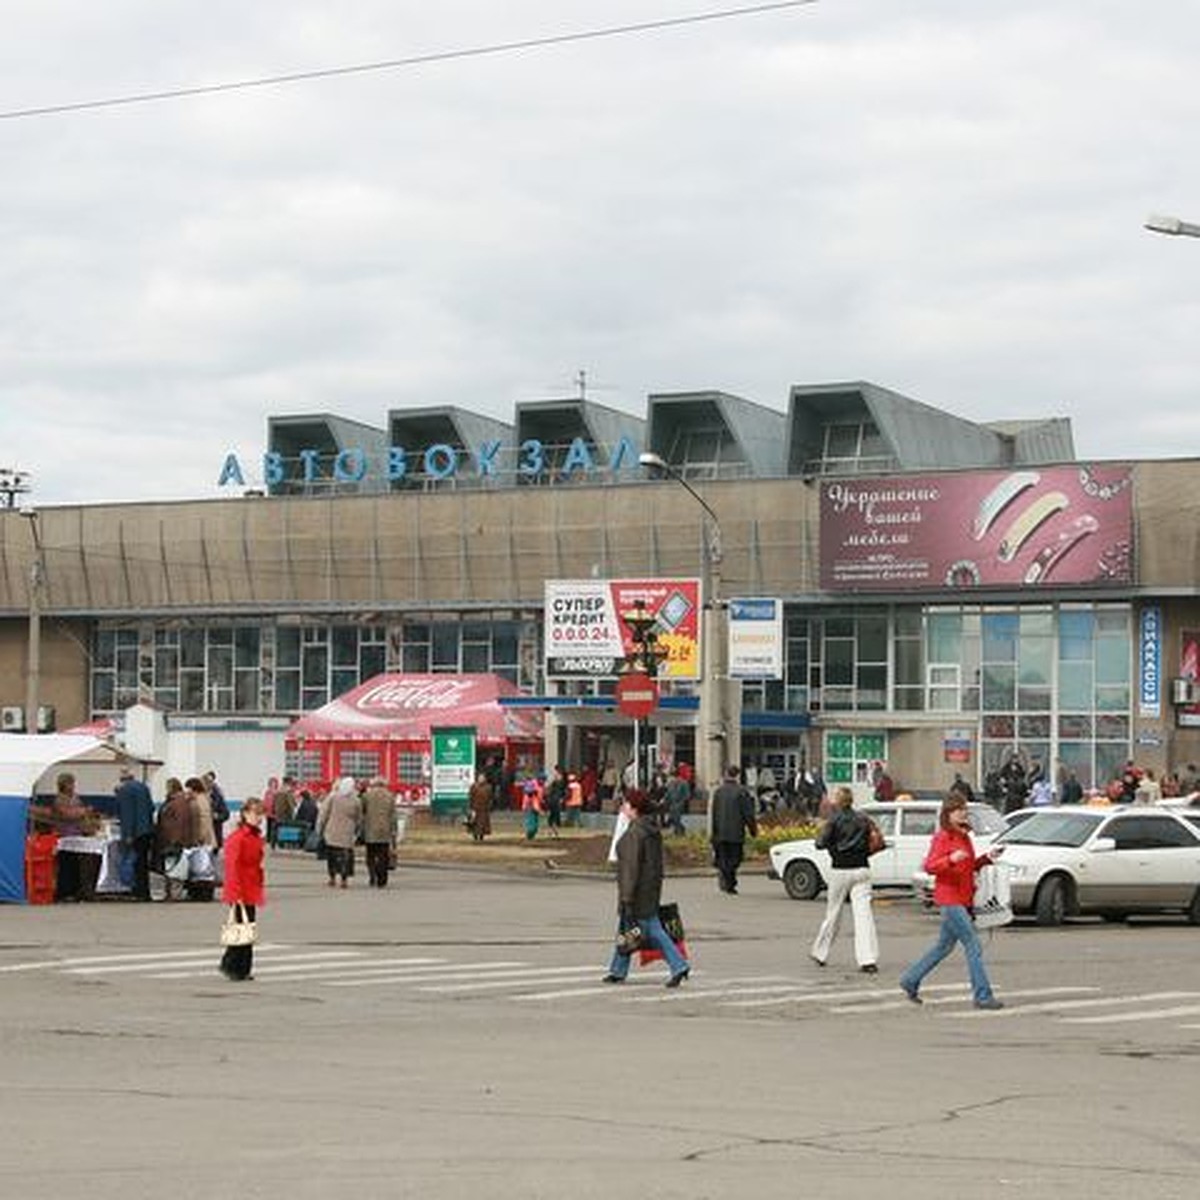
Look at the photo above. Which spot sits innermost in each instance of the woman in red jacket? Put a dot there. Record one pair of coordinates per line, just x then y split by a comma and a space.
952, 862
244, 884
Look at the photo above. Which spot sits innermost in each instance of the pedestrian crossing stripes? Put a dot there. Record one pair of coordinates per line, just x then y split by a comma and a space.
433, 978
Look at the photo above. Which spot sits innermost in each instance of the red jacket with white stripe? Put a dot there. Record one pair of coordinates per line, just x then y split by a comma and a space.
954, 882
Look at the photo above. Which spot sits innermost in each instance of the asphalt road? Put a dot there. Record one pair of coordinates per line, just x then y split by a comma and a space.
450, 1037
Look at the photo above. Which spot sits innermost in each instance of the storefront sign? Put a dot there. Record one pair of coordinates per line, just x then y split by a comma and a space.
531, 459
1189, 668
587, 636
956, 746
755, 639
1150, 625
453, 767
1028, 528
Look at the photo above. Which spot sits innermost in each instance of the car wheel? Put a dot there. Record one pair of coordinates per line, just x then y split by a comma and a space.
1193, 913
1051, 902
802, 880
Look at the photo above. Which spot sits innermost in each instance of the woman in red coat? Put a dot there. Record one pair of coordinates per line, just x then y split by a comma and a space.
244, 883
952, 862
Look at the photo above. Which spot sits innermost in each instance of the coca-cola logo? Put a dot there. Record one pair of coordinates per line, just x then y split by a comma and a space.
438, 693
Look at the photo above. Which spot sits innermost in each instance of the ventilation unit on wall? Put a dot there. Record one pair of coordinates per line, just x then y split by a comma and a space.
12, 719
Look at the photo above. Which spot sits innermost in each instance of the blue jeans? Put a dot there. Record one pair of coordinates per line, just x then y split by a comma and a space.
659, 939
957, 926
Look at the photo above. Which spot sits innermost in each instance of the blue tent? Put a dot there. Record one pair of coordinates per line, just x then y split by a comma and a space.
24, 759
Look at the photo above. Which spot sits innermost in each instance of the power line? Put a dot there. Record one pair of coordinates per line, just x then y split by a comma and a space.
414, 60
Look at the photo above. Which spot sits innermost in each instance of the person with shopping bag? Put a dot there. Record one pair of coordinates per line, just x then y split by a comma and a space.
244, 890
953, 863
639, 891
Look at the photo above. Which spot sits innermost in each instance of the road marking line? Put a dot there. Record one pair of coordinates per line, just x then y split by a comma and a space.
856, 994
1070, 1005
510, 978
164, 955
1154, 1015
597, 990
709, 992
549, 975
893, 1004
208, 956
303, 963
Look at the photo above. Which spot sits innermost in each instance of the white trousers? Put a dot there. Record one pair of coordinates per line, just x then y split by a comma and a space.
855, 883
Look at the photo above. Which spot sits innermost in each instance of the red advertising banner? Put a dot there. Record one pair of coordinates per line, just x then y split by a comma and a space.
1030, 527
1189, 668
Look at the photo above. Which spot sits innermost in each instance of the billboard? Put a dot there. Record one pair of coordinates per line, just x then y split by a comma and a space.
756, 639
587, 636
1025, 528
1189, 668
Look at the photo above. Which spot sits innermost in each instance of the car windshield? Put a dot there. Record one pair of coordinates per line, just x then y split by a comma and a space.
1053, 829
985, 819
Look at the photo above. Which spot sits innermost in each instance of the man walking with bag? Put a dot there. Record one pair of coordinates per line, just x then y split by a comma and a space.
731, 815
847, 837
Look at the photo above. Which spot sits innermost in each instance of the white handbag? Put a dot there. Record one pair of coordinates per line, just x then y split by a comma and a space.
238, 932
993, 897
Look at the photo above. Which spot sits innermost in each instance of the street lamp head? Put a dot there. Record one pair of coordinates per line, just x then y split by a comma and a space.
1158, 224
1172, 225
656, 462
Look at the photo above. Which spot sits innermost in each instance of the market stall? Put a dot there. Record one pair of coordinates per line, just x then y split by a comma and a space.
28, 763
385, 727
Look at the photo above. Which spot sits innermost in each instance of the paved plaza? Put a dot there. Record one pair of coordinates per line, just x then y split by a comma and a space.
451, 1036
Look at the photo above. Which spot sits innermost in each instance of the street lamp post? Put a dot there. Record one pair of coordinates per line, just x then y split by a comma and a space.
37, 580
1172, 226
713, 735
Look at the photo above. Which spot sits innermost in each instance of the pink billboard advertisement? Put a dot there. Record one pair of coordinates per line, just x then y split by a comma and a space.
1028, 527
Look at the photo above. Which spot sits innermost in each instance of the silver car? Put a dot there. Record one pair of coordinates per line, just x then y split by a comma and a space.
1063, 862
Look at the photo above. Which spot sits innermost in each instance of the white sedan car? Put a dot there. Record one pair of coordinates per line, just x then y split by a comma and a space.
1067, 861
907, 826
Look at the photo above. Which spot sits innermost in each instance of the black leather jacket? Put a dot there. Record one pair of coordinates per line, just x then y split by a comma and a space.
845, 837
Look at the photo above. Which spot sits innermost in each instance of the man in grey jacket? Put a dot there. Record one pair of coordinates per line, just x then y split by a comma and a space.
730, 816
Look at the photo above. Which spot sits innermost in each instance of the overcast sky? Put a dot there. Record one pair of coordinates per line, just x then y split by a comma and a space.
944, 197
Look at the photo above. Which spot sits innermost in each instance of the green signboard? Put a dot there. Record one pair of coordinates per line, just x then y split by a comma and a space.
453, 768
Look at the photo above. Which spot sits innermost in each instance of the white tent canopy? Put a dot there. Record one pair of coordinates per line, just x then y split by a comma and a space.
26, 757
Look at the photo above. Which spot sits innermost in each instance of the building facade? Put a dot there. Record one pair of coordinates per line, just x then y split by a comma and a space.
952, 592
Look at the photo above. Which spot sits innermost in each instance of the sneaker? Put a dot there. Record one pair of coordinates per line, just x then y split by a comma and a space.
989, 1005
819, 961
677, 979
869, 969
611, 978
911, 993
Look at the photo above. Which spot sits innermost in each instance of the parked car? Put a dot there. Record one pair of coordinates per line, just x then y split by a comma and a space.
907, 826
1068, 861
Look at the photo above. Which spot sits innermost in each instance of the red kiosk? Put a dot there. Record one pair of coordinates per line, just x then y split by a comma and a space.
383, 727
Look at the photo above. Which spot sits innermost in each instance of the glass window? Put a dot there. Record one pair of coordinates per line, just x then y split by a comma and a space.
872, 639
885, 818
1112, 660
1075, 636
839, 627
1148, 833
908, 663
504, 645
1000, 637
316, 667
1036, 661
476, 659
191, 691
247, 641
920, 822
1075, 685
414, 660
220, 665
839, 663
345, 646
192, 648
945, 637
343, 680
372, 661
246, 691
287, 647
287, 691
872, 687
999, 688
445, 646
